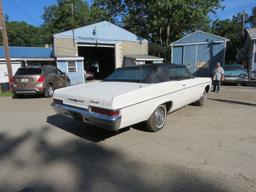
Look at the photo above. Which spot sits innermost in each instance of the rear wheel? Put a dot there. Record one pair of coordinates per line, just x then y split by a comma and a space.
202, 99
158, 119
49, 91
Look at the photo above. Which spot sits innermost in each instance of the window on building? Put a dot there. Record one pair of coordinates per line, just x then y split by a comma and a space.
72, 66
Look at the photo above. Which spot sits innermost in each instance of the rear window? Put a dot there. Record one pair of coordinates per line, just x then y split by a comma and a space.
129, 75
28, 71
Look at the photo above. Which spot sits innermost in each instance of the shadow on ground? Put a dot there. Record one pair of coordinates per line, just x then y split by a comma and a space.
95, 168
233, 102
81, 129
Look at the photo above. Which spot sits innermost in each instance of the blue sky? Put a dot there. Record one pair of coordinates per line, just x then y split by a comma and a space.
31, 10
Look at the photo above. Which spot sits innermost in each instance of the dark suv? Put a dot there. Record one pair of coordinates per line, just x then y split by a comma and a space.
42, 79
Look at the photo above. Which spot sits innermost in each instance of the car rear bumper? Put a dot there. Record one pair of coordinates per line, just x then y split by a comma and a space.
80, 114
27, 91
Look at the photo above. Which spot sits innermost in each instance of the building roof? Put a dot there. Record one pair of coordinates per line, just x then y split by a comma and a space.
252, 33
102, 32
198, 37
28, 52
144, 57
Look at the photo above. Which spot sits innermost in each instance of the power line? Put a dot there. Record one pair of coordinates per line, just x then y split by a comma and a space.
25, 12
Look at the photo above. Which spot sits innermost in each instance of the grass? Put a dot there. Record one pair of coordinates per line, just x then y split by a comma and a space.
5, 94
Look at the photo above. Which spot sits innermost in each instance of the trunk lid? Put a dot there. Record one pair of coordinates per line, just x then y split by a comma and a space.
26, 81
99, 94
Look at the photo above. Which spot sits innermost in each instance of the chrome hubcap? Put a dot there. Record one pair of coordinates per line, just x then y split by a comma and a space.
160, 116
204, 97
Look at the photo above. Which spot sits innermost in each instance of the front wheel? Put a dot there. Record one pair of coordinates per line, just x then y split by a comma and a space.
158, 119
49, 91
202, 99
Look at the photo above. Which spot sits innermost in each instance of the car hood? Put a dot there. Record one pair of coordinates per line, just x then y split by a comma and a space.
97, 93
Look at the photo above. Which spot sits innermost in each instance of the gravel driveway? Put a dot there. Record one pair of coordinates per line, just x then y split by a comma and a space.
210, 148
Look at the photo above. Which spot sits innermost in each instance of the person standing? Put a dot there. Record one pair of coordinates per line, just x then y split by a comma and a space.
217, 77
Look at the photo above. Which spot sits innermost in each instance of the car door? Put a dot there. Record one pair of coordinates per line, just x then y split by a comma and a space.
185, 85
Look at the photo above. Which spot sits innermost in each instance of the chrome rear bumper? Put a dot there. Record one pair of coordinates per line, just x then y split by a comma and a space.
80, 114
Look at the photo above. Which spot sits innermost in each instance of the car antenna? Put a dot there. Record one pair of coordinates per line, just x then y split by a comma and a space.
140, 75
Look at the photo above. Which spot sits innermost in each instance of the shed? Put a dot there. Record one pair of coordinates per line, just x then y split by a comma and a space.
247, 55
73, 67
199, 51
22, 56
103, 44
131, 60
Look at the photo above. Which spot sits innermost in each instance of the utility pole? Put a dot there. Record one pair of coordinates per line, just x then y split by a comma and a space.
242, 26
5, 44
73, 20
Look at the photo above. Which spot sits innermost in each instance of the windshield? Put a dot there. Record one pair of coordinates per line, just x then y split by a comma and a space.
129, 75
28, 71
233, 68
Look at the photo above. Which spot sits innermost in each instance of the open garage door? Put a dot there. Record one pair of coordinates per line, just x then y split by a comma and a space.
98, 60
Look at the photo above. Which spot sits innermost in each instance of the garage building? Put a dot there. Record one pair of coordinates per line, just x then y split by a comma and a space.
102, 46
199, 51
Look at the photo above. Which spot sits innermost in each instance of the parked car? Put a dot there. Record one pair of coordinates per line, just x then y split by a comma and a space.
38, 80
235, 74
131, 95
89, 75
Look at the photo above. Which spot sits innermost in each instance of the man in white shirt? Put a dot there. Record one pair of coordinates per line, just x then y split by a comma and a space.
217, 77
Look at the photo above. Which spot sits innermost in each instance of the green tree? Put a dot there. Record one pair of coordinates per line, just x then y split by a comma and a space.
162, 21
231, 29
109, 10
252, 18
58, 17
165, 21
23, 34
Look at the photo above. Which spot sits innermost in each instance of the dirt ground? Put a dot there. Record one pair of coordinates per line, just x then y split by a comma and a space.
207, 149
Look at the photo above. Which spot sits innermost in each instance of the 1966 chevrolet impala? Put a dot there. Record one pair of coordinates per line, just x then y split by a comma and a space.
131, 95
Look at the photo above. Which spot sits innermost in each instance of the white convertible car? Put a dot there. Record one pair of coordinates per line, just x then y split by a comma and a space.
131, 95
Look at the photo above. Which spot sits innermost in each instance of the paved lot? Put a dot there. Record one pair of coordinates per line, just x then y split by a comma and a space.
212, 148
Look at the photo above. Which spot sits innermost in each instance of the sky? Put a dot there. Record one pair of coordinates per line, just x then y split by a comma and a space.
30, 11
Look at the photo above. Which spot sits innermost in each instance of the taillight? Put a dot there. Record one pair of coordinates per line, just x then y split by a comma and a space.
12, 80
103, 111
41, 79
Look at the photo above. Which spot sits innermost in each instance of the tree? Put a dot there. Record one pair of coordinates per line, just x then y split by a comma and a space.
23, 34
162, 21
165, 21
109, 10
252, 18
58, 17
231, 29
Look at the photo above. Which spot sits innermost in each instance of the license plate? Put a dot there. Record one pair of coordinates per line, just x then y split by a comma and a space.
24, 80
77, 116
